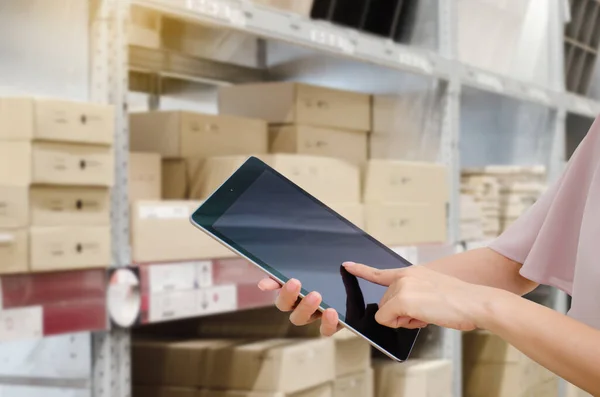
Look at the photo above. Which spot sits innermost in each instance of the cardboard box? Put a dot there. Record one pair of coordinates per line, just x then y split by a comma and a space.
55, 120
144, 28
403, 181
175, 184
53, 206
69, 247
303, 139
353, 212
359, 384
161, 232
287, 103
14, 251
151, 391
406, 224
413, 378
25, 163
330, 180
145, 176
282, 365
177, 134
324, 390
173, 363
352, 353
298, 7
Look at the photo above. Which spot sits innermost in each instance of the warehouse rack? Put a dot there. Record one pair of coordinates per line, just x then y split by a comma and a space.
74, 301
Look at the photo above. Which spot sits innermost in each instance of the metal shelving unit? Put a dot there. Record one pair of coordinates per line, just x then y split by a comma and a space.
114, 68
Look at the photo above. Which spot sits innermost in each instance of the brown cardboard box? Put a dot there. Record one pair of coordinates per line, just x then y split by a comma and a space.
324, 390
330, 180
407, 182
359, 384
413, 378
144, 28
55, 120
69, 247
179, 134
145, 176
175, 179
285, 103
152, 391
486, 348
173, 363
53, 206
161, 232
14, 251
406, 224
25, 163
282, 365
303, 139
353, 212
352, 353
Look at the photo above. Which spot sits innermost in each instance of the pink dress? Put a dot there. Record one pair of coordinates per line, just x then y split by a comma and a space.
558, 239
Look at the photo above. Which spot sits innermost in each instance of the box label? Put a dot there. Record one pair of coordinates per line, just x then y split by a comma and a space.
219, 299
172, 277
164, 212
172, 305
204, 274
21, 323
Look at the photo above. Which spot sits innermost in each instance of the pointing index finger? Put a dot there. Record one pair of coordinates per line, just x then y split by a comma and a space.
377, 276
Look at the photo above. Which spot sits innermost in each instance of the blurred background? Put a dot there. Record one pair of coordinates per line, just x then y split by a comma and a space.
431, 124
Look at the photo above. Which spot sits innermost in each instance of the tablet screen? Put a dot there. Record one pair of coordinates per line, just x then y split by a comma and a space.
293, 235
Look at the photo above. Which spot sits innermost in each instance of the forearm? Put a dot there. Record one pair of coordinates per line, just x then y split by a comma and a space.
565, 346
484, 266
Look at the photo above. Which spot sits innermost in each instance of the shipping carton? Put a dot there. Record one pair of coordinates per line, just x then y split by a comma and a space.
151, 391
14, 251
69, 247
316, 141
161, 231
22, 206
324, 390
177, 134
281, 365
354, 212
24, 163
144, 176
145, 27
413, 378
406, 224
176, 176
329, 180
352, 353
359, 384
294, 103
55, 120
407, 182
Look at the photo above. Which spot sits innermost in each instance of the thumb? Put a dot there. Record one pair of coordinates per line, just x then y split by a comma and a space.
377, 276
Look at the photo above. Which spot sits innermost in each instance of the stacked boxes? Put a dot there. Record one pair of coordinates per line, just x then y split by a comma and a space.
56, 170
406, 202
471, 219
413, 378
492, 367
353, 372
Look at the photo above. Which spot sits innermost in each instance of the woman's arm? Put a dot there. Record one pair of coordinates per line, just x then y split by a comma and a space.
568, 348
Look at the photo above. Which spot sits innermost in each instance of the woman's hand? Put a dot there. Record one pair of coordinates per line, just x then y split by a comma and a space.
304, 312
417, 295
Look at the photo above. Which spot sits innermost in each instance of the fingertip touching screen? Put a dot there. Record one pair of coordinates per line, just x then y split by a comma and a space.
290, 234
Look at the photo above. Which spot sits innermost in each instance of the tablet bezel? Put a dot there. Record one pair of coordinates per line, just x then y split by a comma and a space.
229, 192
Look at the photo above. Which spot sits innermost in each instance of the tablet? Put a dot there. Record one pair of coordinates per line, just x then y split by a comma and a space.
288, 233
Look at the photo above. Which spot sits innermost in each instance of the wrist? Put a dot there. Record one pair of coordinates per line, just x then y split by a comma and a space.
491, 307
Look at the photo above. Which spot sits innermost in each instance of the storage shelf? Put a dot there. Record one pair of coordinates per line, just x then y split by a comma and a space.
580, 105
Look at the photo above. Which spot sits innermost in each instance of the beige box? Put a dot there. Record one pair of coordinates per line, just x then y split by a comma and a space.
324, 390
145, 176
56, 120
25, 163
69, 247
303, 139
286, 103
402, 181
354, 212
298, 7
152, 391
22, 206
413, 378
161, 231
406, 224
175, 184
486, 348
508, 380
359, 384
177, 134
144, 28
282, 365
330, 180
352, 353
14, 251
173, 363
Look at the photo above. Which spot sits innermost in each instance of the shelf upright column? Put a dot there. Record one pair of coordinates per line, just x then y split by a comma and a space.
450, 155
109, 84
